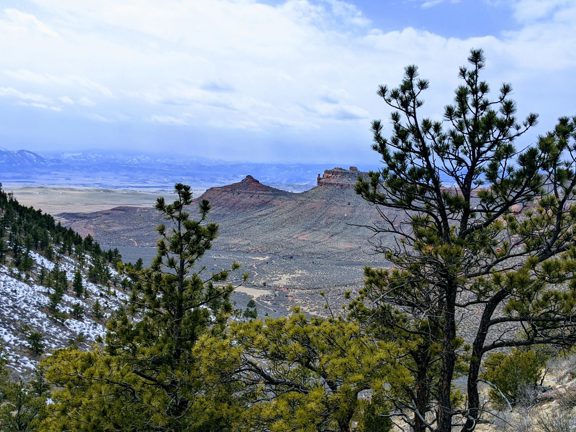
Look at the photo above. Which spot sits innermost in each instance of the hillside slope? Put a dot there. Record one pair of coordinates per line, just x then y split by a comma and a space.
56, 288
25, 311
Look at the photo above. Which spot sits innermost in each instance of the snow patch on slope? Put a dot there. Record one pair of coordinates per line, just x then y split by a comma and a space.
23, 310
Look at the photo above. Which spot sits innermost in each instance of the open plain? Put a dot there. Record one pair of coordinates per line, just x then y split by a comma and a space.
55, 200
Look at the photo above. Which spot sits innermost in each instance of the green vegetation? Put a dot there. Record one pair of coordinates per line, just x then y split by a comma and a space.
173, 361
36, 342
77, 311
301, 374
77, 285
22, 405
148, 362
58, 283
514, 376
250, 312
24, 230
463, 249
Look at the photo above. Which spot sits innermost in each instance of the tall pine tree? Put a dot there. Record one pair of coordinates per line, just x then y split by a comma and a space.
148, 362
484, 239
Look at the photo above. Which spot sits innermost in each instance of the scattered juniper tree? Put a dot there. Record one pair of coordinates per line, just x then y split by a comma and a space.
251, 311
77, 285
97, 311
483, 229
36, 343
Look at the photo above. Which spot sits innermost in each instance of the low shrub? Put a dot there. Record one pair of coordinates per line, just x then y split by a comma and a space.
514, 377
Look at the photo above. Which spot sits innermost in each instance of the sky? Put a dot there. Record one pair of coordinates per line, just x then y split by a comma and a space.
262, 80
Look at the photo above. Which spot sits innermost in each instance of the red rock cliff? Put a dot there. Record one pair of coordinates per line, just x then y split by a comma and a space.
339, 177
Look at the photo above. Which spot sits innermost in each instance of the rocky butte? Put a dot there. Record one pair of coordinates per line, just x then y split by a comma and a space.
244, 195
339, 177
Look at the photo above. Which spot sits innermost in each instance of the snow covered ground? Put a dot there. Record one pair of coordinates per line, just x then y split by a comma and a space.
24, 311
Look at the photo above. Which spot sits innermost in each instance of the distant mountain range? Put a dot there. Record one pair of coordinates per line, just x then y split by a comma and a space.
146, 172
20, 159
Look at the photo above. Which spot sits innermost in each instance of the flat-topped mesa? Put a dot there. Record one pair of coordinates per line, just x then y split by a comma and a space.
340, 177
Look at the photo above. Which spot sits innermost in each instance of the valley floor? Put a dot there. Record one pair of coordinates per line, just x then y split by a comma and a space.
55, 200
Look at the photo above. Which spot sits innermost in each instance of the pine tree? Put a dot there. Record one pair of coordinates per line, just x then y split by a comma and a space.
300, 374
148, 361
36, 342
479, 225
97, 311
98, 272
58, 282
251, 312
27, 229
77, 311
77, 285
178, 305
22, 404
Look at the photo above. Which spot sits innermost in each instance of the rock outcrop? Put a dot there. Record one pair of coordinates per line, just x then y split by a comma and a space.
339, 177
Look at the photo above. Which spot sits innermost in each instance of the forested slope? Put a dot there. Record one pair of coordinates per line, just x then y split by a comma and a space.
56, 288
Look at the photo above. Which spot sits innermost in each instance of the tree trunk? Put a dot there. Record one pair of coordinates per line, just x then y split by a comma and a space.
472, 387
422, 390
344, 427
448, 359
179, 312
476, 361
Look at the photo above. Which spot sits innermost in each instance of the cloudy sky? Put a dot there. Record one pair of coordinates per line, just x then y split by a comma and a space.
261, 80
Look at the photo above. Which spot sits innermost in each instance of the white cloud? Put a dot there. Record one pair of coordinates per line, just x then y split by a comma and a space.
303, 64
100, 118
426, 4
29, 99
348, 12
168, 120
545, 41
66, 100
339, 111
52, 81
43, 101
532, 10
85, 102
23, 21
